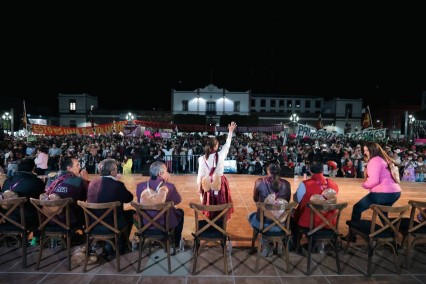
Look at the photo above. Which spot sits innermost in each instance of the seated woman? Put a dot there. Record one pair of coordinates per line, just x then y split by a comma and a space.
271, 184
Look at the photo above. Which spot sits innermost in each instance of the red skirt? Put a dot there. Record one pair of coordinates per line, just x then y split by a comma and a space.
223, 196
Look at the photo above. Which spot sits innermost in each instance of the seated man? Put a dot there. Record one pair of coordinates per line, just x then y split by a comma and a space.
159, 175
26, 184
107, 188
70, 182
315, 185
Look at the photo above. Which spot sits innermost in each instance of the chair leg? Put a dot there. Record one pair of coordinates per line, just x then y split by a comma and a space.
370, 252
68, 248
24, 241
253, 240
308, 270
40, 252
141, 245
88, 243
287, 257
117, 252
259, 248
195, 255
409, 251
336, 255
225, 256
169, 263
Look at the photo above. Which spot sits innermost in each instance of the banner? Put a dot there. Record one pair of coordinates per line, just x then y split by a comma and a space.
244, 129
62, 130
368, 135
132, 130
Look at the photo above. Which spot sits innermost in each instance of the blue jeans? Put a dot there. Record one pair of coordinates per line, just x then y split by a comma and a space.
387, 199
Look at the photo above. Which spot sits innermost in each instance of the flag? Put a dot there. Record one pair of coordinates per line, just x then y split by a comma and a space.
319, 123
24, 117
366, 121
347, 124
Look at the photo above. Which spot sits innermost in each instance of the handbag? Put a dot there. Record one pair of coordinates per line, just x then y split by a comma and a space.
394, 172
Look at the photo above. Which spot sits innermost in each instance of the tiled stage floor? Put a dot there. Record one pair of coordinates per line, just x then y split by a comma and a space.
241, 263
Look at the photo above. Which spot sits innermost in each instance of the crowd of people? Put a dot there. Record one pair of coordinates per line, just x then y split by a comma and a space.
77, 157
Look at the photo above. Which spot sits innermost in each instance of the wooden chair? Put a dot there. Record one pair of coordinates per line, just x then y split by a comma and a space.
412, 229
282, 222
154, 228
326, 232
210, 230
375, 234
52, 224
97, 228
10, 227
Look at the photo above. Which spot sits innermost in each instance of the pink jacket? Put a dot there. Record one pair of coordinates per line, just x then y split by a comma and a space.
379, 177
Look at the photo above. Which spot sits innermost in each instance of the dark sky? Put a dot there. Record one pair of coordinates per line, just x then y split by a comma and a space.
133, 54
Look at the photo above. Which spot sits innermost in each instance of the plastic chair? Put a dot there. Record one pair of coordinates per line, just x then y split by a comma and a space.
154, 228
210, 230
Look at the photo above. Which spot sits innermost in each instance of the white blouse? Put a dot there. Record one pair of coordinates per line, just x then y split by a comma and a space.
204, 166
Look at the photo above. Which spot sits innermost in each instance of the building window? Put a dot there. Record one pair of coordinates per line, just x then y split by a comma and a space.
72, 105
237, 106
317, 104
262, 103
281, 103
297, 104
289, 103
211, 108
73, 123
253, 103
273, 103
184, 105
307, 104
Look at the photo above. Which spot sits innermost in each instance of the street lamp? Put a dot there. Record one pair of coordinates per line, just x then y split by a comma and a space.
294, 118
7, 117
130, 116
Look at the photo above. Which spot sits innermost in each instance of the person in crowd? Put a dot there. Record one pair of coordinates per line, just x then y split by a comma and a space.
41, 161
211, 167
383, 190
70, 182
92, 159
408, 165
315, 185
127, 164
107, 188
54, 154
26, 184
11, 162
271, 184
420, 169
159, 176
349, 170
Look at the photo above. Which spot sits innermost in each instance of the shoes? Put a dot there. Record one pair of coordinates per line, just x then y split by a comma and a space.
266, 251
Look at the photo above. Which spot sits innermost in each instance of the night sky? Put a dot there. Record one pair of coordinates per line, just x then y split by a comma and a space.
118, 55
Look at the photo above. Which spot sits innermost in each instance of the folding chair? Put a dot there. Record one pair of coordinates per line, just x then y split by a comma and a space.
412, 229
282, 221
210, 230
326, 231
10, 227
154, 227
379, 235
99, 229
52, 224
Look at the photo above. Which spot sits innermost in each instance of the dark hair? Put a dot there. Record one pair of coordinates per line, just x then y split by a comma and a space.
317, 168
26, 165
211, 143
66, 162
275, 170
376, 150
